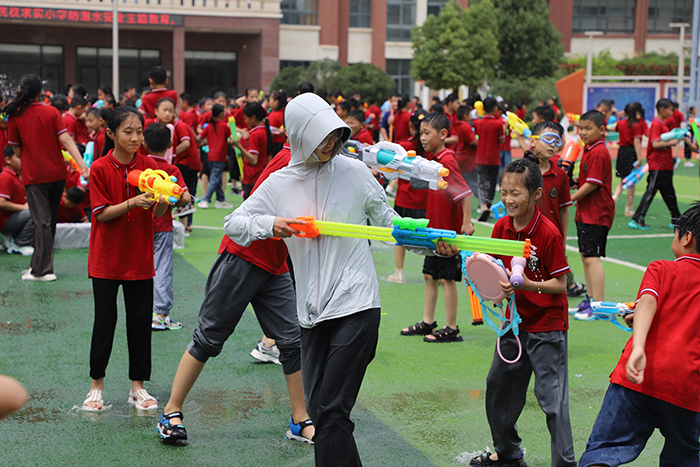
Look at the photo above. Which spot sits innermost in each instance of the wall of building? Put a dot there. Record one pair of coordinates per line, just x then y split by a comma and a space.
619, 47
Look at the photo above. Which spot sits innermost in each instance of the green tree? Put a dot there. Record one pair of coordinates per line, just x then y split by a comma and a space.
457, 47
367, 79
320, 71
528, 42
289, 79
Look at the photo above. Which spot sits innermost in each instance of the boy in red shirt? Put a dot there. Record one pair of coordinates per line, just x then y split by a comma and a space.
93, 122
448, 209
75, 123
466, 149
158, 80
660, 178
15, 218
356, 121
595, 207
656, 383
188, 111
374, 114
491, 131
69, 211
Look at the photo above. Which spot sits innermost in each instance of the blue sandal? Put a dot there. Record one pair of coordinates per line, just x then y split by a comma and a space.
294, 432
177, 432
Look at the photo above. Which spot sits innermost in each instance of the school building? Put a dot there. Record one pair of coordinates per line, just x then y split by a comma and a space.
228, 45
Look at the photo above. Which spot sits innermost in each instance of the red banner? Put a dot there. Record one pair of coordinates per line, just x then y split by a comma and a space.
89, 16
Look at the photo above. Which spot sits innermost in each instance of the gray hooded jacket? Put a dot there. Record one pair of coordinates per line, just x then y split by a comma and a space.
335, 276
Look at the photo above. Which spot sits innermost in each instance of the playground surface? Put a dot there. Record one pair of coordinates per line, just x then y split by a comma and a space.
420, 405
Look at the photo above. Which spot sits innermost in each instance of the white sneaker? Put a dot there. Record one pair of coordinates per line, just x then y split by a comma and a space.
266, 354
21, 250
397, 277
223, 205
28, 276
203, 204
688, 164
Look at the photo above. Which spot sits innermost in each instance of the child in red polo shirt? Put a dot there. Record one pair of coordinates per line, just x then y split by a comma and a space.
157, 141
466, 149
188, 110
447, 209
629, 155
75, 123
217, 134
278, 101
256, 148
542, 305
158, 80
491, 131
356, 121
69, 211
121, 254
656, 383
595, 207
15, 218
660, 178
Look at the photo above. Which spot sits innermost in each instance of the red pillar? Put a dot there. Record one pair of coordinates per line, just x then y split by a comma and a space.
178, 73
378, 33
562, 15
641, 21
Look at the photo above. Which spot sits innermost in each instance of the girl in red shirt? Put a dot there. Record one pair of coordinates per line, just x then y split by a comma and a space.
217, 133
278, 101
629, 155
257, 146
542, 306
121, 254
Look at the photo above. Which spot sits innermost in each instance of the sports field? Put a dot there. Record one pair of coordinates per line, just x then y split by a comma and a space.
420, 405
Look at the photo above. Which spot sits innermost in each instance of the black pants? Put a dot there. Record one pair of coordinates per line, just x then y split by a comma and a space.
138, 299
658, 180
44, 200
334, 357
190, 178
488, 178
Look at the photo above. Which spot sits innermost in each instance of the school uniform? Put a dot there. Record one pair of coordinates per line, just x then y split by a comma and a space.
543, 335
556, 194
16, 224
626, 155
150, 100
488, 155
70, 215
276, 118
187, 161
36, 131
99, 139
374, 114
255, 144
76, 128
466, 155
401, 129
660, 176
217, 134
363, 136
409, 201
190, 118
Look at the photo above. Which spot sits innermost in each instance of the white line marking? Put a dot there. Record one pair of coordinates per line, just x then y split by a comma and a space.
206, 227
613, 237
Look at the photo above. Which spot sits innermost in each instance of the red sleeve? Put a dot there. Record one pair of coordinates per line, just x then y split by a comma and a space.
70, 126
177, 174
457, 188
555, 259
58, 124
564, 193
655, 131
469, 135
651, 282
255, 143
5, 186
501, 132
182, 133
638, 130
12, 135
99, 197
595, 173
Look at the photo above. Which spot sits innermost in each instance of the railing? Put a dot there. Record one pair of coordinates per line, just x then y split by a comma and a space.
250, 8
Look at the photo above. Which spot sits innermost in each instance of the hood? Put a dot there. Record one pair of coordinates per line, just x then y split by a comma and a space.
309, 120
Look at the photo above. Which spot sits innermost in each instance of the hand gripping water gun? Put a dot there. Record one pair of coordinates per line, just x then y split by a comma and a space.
393, 161
572, 117
156, 182
479, 107
517, 125
611, 312
72, 162
694, 127
676, 133
412, 232
569, 156
634, 177
89, 153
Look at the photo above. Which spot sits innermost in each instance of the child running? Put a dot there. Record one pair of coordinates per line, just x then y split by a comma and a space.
542, 305
629, 155
217, 133
121, 254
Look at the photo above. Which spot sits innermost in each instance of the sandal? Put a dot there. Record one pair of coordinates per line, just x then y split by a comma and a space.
95, 395
177, 432
139, 397
421, 328
446, 334
576, 290
484, 460
294, 432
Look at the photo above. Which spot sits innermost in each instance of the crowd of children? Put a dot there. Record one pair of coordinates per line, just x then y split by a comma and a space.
323, 328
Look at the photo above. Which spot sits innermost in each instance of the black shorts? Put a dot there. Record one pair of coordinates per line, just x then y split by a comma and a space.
626, 157
592, 239
443, 268
408, 212
204, 159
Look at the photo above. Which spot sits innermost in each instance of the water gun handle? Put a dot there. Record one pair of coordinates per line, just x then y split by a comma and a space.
676, 133
573, 117
517, 268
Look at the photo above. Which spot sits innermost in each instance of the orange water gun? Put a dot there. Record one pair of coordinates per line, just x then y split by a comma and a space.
156, 182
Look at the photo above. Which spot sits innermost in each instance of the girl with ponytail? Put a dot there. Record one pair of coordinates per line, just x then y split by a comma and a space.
278, 101
36, 132
257, 147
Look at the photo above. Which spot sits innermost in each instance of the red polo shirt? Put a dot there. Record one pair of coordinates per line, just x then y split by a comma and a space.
11, 189
374, 113
122, 248
466, 147
217, 140
276, 119
70, 215
658, 159
556, 195
268, 254
164, 223
255, 144
76, 128
401, 129
190, 156
627, 134
237, 114
673, 343
37, 131
150, 100
674, 121
540, 312
190, 118
491, 136
444, 207
596, 167
407, 197
99, 139
363, 136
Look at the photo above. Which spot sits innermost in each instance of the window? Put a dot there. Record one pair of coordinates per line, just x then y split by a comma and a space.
400, 19
435, 6
610, 16
360, 13
299, 12
293, 63
45, 61
400, 71
94, 67
209, 72
663, 12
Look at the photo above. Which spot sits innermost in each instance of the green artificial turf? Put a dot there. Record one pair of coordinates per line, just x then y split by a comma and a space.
421, 404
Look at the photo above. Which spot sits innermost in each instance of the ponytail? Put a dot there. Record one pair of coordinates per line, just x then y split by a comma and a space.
29, 87
269, 136
216, 110
255, 109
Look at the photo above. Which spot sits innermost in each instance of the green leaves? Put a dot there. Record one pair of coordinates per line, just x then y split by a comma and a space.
365, 78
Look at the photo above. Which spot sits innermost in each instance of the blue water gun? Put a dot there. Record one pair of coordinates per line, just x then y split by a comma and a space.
676, 133
612, 311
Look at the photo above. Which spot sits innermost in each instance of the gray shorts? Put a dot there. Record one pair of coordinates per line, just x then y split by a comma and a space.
232, 284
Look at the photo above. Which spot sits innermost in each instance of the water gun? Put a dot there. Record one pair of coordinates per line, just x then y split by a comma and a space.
634, 177
156, 182
393, 161
234, 136
475, 305
693, 126
611, 312
498, 210
412, 232
612, 136
479, 107
517, 125
676, 133
517, 271
572, 117
612, 120
139, 103
72, 162
99, 104
89, 153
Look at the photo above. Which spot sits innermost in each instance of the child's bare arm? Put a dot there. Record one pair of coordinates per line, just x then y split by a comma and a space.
467, 226
585, 190
112, 212
564, 216
554, 285
182, 147
643, 315
523, 142
7, 205
250, 157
